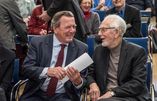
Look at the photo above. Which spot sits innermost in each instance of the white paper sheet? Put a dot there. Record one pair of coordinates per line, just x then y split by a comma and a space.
80, 63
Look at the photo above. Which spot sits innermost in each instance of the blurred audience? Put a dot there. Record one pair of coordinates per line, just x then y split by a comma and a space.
130, 14
26, 7
102, 5
92, 19
68, 5
37, 26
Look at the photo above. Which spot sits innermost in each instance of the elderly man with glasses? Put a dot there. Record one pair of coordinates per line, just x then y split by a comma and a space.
118, 72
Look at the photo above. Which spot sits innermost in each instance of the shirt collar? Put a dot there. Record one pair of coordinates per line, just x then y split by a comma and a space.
56, 42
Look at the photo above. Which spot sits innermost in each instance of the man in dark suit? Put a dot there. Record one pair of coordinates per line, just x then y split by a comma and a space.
130, 14
6, 70
39, 64
11, 24
118, 72
70, 5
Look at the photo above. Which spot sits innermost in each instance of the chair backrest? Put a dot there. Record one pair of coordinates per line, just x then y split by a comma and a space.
16, 70
102, 14
144, 29
31, 36
90, 42
143, 41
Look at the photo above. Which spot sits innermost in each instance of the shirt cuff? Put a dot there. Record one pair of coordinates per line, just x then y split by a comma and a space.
79, 86
44, 73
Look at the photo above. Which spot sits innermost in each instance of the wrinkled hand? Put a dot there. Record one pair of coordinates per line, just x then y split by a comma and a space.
44, 16
106, 95
57, 72
74, 75
94, 91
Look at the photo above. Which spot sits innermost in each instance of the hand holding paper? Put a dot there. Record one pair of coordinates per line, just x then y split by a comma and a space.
80, 63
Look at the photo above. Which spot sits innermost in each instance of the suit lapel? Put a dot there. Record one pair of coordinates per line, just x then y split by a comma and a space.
123, 57
48, 50
71, 53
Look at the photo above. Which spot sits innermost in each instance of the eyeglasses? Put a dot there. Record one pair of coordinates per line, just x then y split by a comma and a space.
104, 29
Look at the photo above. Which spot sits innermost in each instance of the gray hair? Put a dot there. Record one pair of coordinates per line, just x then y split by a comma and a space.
117, 22
55, 22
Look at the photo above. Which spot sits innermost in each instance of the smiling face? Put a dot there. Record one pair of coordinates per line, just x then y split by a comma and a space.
66, 30
86, 5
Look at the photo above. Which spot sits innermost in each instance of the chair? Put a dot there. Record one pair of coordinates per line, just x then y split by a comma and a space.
144, 43
17, 90
31, 36
145, 15
90, 42
102, 14
144, 29
16, 70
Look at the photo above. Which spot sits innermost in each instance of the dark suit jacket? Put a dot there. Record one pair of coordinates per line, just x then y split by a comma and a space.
132, 19
131, 74
73, 6
39, 57
11, 23
6, 67
140, 4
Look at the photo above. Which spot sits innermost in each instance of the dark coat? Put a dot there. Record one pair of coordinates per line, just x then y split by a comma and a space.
11, 24
6, 67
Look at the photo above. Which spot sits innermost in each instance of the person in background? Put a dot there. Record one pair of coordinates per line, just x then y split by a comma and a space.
118, 72
6, 70
130, 14
92, 18
102, 5
26, 7
43, 65
69, 5
36, 26
11, 25
141, 4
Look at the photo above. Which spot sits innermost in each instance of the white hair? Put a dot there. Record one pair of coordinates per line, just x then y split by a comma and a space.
117, 22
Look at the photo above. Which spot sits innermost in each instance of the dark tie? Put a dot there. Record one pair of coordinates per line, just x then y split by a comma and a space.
53, 81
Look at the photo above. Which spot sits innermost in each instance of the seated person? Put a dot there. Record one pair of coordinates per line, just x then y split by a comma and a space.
6, 71
141, 4
102, 5
118, 72
44, 64
37, 26
92, 19
131, 16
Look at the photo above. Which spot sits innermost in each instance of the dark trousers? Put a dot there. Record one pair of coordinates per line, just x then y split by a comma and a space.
42, 96
2, 95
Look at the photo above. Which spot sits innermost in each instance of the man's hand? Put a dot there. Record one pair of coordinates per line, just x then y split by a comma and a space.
44, 16
94, 91
106, 95
57, 72
74, 75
